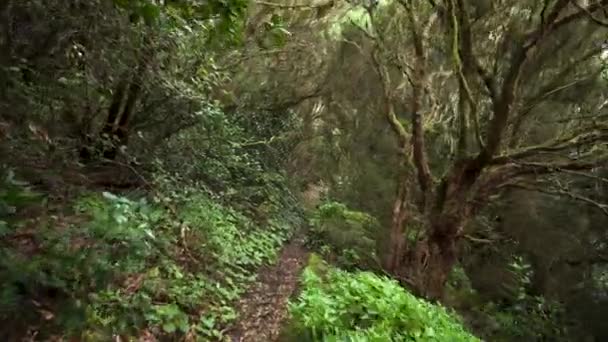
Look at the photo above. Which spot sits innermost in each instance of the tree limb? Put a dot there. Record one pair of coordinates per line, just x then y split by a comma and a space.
562, 193
465, 61
587, 138
418, 79
502, 108
590, 14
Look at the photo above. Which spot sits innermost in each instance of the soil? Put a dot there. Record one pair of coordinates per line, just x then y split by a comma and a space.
263, 309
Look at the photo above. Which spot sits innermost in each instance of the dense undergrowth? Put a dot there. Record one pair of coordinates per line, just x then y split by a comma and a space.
151, 156
336, 305
361, 306
344, 236
167, 257
127, 266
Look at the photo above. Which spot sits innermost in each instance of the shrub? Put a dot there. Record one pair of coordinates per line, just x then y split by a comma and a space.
336, 305
521, 318
128, 265
344, 236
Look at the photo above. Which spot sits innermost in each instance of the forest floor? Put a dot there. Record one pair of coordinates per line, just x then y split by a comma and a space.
263, 309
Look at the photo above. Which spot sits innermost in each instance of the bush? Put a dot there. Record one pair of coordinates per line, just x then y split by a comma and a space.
340, 306
121, 266
344, 236
521, 318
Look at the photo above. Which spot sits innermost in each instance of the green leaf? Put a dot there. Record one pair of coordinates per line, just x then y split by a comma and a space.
150, 12
4, 228
169, 327
208, 322
183, 325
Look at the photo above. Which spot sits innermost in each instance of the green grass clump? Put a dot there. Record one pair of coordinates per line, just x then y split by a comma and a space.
341, 306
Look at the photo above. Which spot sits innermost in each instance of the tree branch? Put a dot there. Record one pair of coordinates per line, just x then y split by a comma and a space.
294, 101
590, 14
554, 24
562, 193
503, 107
418, 79
497, 178
588, 138
465, 62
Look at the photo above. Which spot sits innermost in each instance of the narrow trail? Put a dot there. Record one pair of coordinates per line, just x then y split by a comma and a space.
263, 308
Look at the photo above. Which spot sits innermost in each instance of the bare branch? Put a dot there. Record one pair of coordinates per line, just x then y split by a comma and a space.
554, 86
389, 108
419, 79
587, 138
537, 168
561, 193
478, 240
294, 101
553, 24
581, 117
503, 107
397, 127
590, 14
586, 175
465, 62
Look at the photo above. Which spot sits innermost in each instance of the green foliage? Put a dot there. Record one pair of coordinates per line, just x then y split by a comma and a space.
524, 318
225, 248
75, 260
132, 265
227, 16
344, 235
230, 238
527, 317
339, 306
14, 194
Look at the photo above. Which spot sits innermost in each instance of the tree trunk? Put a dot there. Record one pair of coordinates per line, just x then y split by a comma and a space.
114, 110
435, 256
396, 244
129, 110
443, 255
91, 146
120, 131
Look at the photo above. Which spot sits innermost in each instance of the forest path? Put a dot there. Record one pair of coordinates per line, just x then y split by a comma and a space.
263, 308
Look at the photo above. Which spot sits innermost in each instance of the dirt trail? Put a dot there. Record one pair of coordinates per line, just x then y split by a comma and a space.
263, 308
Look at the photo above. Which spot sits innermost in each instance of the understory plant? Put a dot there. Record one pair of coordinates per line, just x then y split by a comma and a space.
344, 236
126, 266
336, 305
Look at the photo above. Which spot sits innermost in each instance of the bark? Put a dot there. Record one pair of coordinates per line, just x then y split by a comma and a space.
119, 133
443, 257
90, 146
114, 110
436, 256
122, 131
419, 80
128, 91
540, 277
449, 211
448, 206
397, 235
